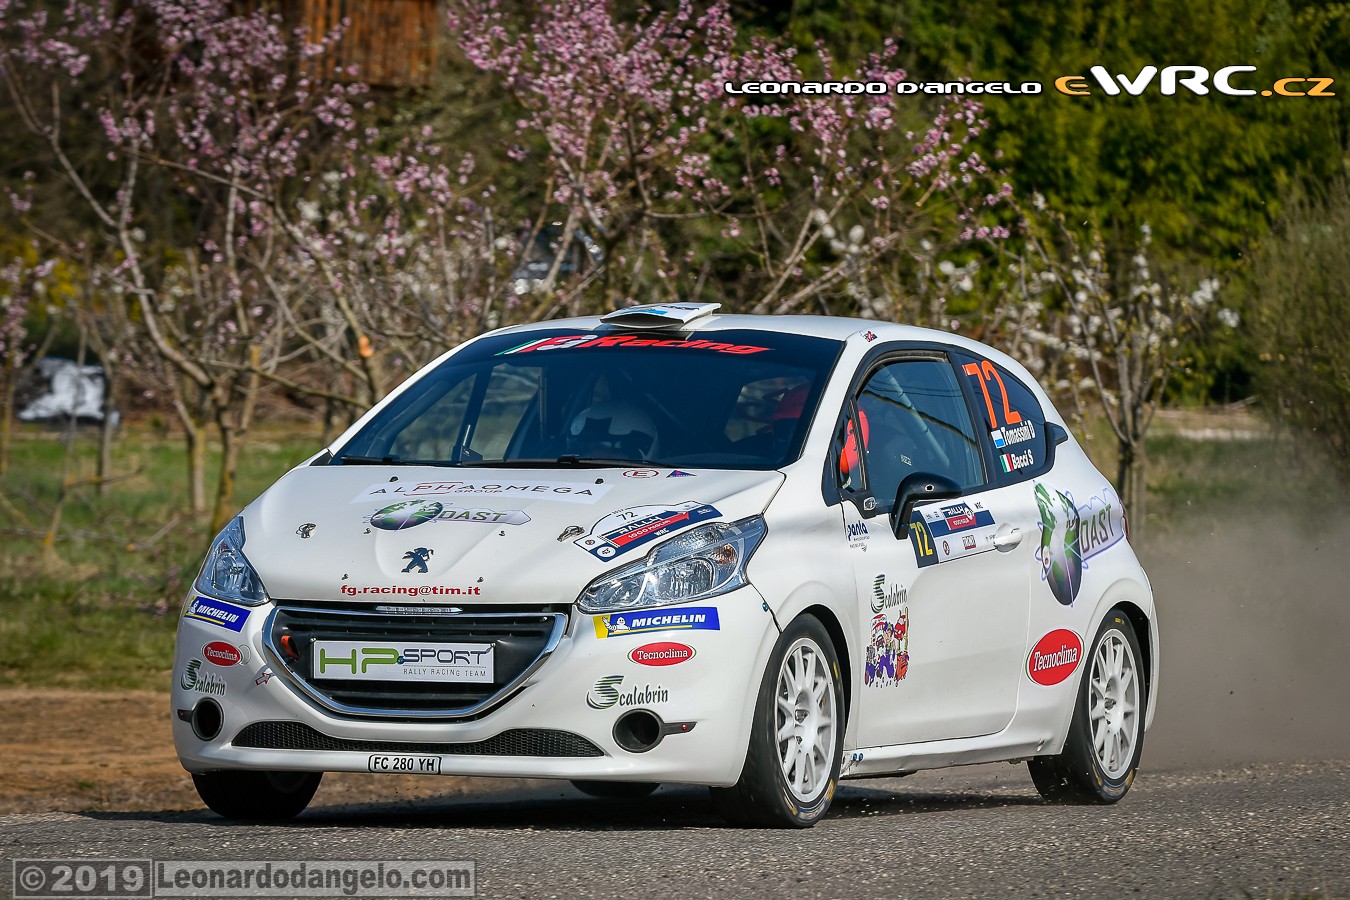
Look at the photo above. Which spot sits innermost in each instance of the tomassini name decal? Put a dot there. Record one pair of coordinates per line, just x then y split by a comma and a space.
592, 341
567, 491
1013, 434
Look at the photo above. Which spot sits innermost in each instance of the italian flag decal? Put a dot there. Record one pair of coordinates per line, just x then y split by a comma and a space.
1009, 464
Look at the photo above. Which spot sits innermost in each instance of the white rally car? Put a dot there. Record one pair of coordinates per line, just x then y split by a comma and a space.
665, 545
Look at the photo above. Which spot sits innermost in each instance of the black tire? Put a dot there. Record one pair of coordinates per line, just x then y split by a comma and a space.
1079, 774
257, 796
616, 790
763, 797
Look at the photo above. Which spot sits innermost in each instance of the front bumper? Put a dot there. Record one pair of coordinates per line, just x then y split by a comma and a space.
559, 723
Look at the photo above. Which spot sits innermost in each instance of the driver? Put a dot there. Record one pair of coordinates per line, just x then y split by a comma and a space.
614, 429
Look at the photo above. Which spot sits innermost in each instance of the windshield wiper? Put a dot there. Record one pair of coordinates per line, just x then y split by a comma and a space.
390, 461
567, 459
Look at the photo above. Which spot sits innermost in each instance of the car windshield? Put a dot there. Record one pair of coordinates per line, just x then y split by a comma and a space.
734, 399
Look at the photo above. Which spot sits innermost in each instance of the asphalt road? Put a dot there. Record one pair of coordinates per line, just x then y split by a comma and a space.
1244, 789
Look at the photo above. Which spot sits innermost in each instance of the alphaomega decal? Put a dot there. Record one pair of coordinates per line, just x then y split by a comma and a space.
1071, 534
1055, 657
225, 615
565, 491
410, 513
627, 529
598, 341
693, 618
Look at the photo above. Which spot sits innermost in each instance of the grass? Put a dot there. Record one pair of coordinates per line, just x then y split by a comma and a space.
100, 610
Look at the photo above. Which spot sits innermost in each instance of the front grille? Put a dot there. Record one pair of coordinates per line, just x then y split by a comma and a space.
521, 639
516, 742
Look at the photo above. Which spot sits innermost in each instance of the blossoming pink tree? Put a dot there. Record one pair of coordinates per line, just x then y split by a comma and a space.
776, 204
212, 143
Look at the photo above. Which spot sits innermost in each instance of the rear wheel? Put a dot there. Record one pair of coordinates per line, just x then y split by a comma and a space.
263, 796
1106, 735
792, 764
616, 790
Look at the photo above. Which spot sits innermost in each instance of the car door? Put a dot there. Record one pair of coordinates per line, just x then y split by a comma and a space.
944, 604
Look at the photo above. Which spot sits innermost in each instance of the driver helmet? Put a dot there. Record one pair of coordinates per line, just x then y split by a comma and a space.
613, 428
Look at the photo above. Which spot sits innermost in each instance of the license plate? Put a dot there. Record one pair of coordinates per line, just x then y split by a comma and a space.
397, 661
405, 765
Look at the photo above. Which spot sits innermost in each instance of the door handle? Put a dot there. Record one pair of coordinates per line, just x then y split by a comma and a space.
1007, 540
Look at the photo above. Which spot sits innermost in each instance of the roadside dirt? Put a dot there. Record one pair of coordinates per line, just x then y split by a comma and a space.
64, 750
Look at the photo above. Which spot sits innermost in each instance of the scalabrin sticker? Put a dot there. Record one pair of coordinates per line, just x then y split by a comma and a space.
1055, 657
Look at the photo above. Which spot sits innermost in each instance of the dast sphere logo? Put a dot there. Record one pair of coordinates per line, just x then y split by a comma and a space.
406, 514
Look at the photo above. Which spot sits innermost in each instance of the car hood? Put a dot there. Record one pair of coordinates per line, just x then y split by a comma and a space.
428, 535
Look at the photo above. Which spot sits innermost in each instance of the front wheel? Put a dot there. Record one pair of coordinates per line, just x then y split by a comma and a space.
261, 796
1106, 735
792, 764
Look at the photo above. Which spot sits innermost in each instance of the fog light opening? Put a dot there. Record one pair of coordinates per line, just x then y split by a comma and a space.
207, 719
638, 731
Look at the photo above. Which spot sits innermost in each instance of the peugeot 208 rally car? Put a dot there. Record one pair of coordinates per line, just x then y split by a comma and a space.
665, 545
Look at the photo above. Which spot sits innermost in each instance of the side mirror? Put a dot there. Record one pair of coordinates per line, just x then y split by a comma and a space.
919, 487
1054, 436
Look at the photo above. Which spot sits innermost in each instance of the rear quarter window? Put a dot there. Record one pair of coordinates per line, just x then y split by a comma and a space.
1010, 419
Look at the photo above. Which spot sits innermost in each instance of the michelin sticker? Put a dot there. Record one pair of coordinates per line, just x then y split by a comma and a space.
1071, 534
693, 618
225, 615
627, 529
565, 491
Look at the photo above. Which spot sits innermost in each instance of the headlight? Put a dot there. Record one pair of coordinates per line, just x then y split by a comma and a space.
703, 562
227, 574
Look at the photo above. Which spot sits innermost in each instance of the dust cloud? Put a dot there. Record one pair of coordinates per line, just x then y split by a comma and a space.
1255, 619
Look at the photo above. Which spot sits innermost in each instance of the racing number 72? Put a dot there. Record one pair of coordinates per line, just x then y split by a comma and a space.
982, 372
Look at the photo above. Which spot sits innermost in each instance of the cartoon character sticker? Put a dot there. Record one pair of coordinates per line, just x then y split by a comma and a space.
626, 529
888, 650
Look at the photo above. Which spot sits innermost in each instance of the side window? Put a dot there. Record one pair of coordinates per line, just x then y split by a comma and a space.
914, 418
1013, 418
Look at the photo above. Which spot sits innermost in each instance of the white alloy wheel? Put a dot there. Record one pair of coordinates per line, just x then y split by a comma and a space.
1106, 732
792, 762
806, 708
1113, 704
